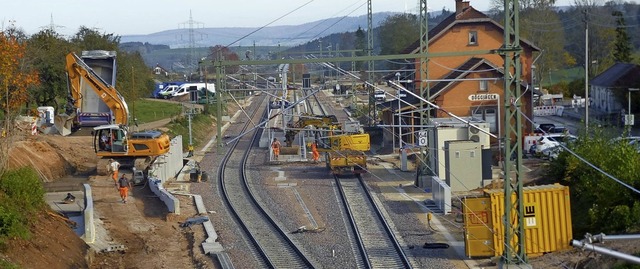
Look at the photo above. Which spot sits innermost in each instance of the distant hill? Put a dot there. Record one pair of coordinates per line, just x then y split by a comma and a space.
289, 35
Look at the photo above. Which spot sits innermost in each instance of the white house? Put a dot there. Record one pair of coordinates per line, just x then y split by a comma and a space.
619, 77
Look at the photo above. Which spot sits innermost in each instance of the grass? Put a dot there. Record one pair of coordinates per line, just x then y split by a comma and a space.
201, 129
565, 75
150, 110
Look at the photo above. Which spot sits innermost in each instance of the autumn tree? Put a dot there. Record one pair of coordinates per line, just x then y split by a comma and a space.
227, 55
15, 80
15, 77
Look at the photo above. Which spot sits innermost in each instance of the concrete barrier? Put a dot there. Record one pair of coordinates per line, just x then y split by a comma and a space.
172, 203
89, 228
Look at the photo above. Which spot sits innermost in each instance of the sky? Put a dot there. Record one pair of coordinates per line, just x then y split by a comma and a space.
149, 16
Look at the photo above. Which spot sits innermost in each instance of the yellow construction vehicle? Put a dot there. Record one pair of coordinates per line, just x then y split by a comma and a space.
318, 121
114, 141
345, 152
344, 146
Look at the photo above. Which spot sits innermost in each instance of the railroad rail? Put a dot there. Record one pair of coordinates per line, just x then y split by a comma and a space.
272, 245
377, 243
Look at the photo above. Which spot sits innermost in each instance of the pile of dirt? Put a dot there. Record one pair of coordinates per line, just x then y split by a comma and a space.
53, 156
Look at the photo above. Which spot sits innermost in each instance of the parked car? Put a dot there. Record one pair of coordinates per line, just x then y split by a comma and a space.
551, 145
544, 128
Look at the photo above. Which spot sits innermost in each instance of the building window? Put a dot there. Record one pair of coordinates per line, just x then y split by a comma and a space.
484, 85
473, 38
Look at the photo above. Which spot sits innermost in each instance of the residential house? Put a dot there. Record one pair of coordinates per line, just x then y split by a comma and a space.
608, 89
159, 70
466, 85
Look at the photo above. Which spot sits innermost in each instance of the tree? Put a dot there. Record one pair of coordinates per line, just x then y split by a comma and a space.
397, 32
91, 39
543, 28
134, 78
361, 46
15, 80
15, 76
227, 55
598, 203
622, 43
46, 51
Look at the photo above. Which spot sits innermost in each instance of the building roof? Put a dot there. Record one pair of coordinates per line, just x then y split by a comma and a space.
468, 15
620, 75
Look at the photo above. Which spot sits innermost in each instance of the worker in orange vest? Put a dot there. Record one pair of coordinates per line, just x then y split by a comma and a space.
314, 151
275, 145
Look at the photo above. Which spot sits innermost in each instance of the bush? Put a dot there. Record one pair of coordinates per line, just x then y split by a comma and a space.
598, 203
21, 195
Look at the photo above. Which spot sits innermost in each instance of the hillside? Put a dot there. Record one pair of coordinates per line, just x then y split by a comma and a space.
268, 36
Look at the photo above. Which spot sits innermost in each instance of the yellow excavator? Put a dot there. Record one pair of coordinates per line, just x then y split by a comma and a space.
113, 141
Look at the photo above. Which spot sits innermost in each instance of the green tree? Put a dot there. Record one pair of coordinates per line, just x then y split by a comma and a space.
543, 27
622, 43
46, 51
397, 32
361, 46
134, 79
91, 39
598, 203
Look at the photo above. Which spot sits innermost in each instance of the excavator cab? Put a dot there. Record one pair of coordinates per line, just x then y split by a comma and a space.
110, 139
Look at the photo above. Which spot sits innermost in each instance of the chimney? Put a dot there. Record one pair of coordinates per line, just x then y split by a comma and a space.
461, 5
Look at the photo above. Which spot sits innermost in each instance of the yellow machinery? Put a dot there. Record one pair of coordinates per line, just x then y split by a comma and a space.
136, 149
343, 150
319, 121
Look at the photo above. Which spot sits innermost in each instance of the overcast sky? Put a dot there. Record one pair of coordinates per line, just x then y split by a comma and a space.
149, 16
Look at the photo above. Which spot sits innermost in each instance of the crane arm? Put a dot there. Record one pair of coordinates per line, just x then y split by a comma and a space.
77, 70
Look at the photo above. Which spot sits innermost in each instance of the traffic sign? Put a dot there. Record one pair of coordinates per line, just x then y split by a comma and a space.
422, 138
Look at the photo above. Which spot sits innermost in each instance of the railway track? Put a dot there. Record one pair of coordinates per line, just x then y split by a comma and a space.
271, 245
375, 239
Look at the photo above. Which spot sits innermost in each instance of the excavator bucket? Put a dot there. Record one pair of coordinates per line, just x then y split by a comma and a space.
64, 123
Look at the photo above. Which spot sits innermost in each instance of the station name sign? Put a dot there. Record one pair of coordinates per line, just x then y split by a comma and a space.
484, 97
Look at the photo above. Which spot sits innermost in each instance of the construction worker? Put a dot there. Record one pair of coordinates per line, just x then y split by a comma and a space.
275, 145
314, 151
123, 186
190, 151
113, 169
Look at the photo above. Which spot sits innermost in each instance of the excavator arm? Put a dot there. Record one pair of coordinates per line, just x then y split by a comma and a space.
79, 72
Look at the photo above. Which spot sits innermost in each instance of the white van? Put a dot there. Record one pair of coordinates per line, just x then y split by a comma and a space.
184, 88
168, 91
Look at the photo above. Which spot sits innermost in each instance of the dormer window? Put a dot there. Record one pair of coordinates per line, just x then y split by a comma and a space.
473, 38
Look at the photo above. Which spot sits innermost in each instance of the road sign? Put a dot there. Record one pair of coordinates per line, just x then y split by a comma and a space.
422, 138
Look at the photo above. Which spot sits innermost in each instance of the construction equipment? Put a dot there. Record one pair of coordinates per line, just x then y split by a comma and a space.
114, 141
344, 146
318, 121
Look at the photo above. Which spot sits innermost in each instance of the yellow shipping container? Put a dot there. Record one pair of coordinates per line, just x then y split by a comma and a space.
547, 221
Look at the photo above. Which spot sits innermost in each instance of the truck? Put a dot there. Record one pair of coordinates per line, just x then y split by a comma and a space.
114, 140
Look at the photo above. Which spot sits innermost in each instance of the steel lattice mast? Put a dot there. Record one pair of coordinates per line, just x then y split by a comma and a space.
514, 237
